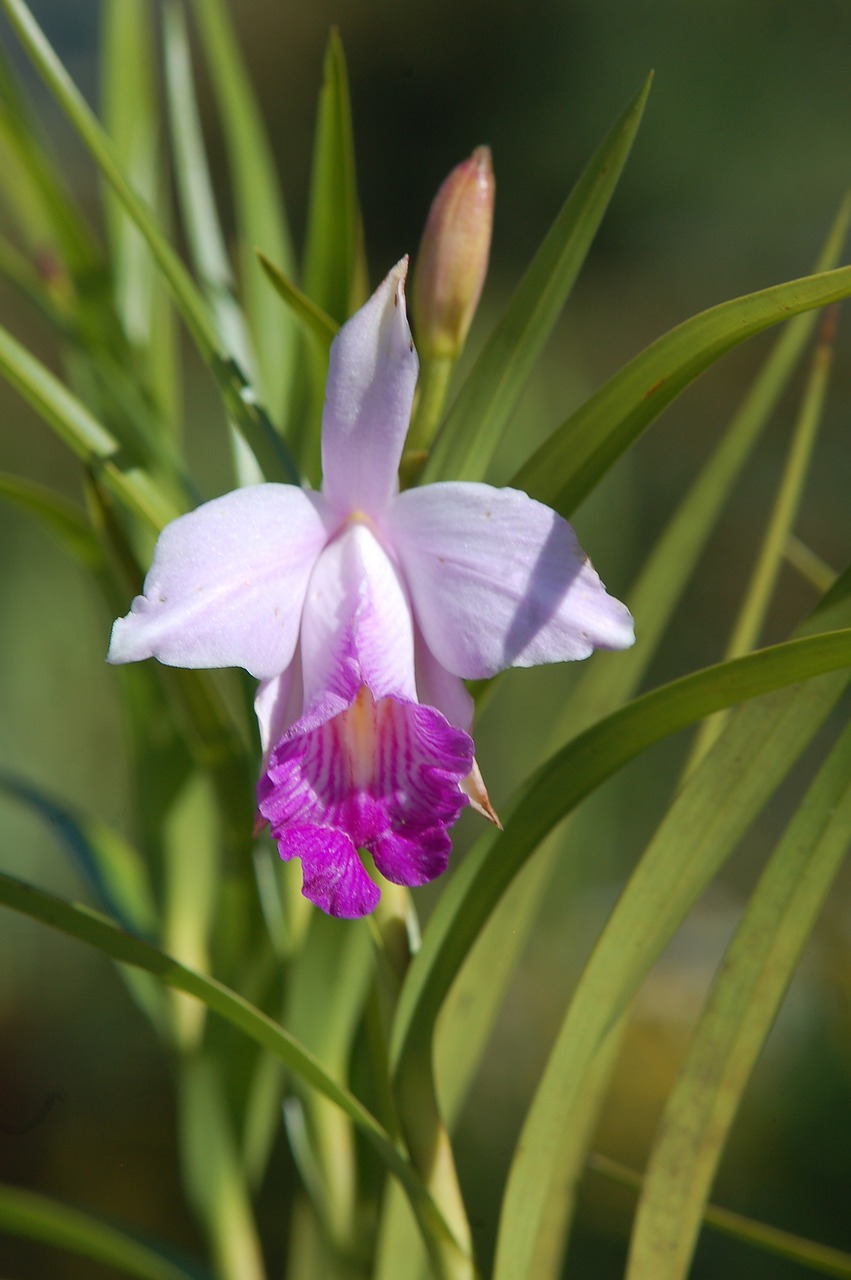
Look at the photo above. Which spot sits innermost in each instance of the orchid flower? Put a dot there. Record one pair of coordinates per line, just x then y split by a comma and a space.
362, 611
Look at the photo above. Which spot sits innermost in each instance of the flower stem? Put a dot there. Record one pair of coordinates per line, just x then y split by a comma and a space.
432, 389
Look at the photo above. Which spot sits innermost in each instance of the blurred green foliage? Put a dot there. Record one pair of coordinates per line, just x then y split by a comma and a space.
740, 165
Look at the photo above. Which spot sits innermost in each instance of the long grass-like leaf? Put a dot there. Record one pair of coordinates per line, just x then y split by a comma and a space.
576, 770
781, 521
475, 423
128, 94
200, 217
737, 1017
333, 223
564, 470
239, 397
552, 793
260, 213
45, 212
309, 314
73, 423
99, 932
325, 1001
706, 818
36, 1217
604, 685
819, 1258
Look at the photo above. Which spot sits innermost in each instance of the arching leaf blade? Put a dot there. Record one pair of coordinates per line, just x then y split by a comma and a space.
564, 470
708, 815
97, 931
735, 1021
473, 427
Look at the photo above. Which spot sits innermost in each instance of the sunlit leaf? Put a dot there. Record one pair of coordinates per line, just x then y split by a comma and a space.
575, 771
333, 221
73, 423
604, 685
564, 470
260, 213
737, 1017
239, 397
311, 317
708, 815
778, 529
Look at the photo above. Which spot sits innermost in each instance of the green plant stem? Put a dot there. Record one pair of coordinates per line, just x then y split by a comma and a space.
432, 390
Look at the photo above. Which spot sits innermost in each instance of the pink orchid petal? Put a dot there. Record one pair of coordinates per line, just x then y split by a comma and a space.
498, 580
368, 398
334, 878
382, 774
227, 583
356, 584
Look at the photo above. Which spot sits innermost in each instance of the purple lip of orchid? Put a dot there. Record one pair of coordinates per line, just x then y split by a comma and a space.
362, 610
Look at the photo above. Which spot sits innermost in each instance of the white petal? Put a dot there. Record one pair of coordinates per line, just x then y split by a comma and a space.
437, 687
278, 703
498, 580
370, 389
357, 609
227, 583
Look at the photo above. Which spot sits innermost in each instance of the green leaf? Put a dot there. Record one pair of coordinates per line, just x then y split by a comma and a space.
781, 520
240, 399
214, 1178
553, 791
735, 1022
112, 867
76, 427
311, 317
195, 191
63, 518
818, 1257
477, 419
128, 94
325, 1001
24, 1213
99, 932
567, 466
200, 218
605, 683
333, 220
44, 211
671, 563
572, 774
707, 816
260, 214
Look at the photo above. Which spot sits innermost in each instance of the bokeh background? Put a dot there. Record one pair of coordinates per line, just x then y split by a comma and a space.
738, 171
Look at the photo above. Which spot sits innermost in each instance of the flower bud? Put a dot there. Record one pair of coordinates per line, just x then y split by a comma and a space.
453, 259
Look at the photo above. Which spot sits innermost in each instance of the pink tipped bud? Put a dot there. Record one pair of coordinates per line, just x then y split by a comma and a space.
453, 259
